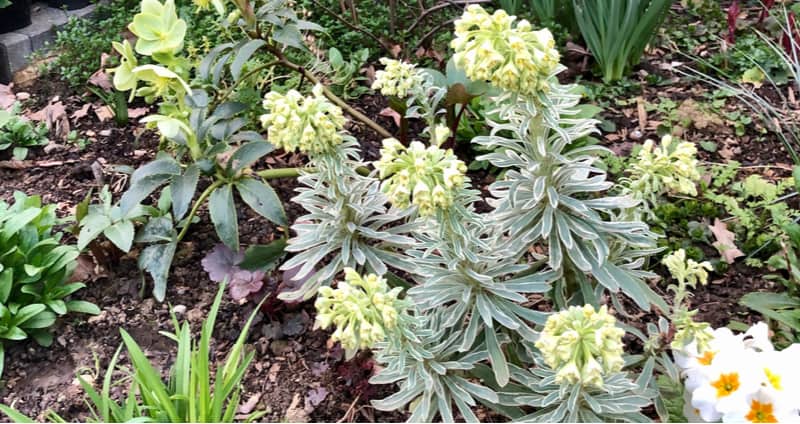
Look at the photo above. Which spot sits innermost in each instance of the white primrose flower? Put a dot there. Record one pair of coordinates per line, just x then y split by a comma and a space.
762, 407
740, 378
726, 384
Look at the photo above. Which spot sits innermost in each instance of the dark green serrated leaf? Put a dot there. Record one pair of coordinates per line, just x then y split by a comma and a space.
183, 188
243, 55
263, 257
156, 260
223, 215
248, 154
263, 199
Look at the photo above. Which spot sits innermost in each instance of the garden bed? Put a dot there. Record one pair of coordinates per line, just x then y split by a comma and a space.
298, 374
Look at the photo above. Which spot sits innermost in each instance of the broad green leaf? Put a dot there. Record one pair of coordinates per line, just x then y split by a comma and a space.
28, 312
121, 234
263, 199
156, 230
6, 283
243, 55
19, 220
248, 154
91, 227
263, 256
44, 319
82, 306
139, 191
289, 35
223, 214
156, 260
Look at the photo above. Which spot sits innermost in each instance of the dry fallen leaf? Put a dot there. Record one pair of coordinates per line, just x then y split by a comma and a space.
101, 79
7, 97
82, 112
391, 113
296, 413
137, 112
725, 241
103, 113
250, 405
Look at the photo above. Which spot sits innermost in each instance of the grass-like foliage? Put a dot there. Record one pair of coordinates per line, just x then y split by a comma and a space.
189, 395
618, 31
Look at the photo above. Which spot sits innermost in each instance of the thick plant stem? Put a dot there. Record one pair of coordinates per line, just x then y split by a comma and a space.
196, 207
272, 174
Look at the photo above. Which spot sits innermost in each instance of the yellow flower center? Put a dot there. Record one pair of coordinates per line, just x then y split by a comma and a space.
760, 413
774, 379
706, 359
727, 384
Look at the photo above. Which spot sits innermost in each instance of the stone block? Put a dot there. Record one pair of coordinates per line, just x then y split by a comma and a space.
15, 48
85, 12
46, 20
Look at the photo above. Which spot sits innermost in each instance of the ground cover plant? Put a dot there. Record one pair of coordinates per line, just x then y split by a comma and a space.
461, 221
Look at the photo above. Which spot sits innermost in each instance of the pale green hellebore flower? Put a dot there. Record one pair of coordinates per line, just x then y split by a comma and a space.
158, 28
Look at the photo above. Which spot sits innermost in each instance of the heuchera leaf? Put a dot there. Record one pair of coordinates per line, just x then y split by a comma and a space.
222, 265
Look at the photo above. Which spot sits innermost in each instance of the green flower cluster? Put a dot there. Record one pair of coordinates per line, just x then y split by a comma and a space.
687, 273
397, 78
159, 33
363, 310
310, 124
158, 29
686, 270
514, 58
582, 345
428, 178
671, 167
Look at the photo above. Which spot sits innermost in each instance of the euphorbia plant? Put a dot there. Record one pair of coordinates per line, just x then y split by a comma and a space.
469, 337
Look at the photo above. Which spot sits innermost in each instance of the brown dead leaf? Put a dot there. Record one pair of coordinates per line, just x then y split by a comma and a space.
391, 113
104, 113
87, 270
81, 113
250, 405
396, 50
137, 112
7, 96
102, 80
56, 118
725, 241
642, 113
296, 413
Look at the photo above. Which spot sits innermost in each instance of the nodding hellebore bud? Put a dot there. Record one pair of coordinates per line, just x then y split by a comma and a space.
428, 178
582, 345
512, 57
310, 124
363, 310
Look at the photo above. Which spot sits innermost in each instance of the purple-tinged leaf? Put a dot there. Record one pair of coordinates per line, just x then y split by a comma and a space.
315, 397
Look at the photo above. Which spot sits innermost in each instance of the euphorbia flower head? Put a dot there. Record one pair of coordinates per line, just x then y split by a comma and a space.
311, 124
397, 78
428, 178
363, 310
512, 57
582, 345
